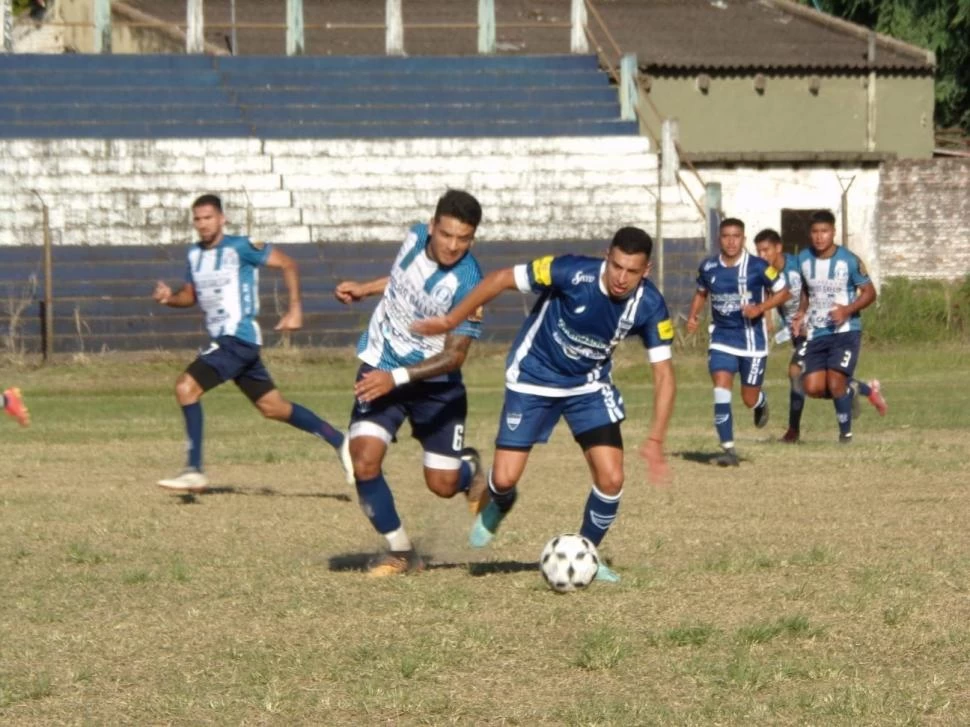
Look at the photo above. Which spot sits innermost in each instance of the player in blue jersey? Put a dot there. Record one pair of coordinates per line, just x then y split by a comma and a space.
404, 375
222, 275
835, 288
13, 404
742, 288
560, 366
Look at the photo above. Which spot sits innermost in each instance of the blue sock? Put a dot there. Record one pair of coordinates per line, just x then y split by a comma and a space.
723, 419
193, 428
599, 514
503, 500
303, 418
796, 402
464, 477
843, 412
862, 387
377, 502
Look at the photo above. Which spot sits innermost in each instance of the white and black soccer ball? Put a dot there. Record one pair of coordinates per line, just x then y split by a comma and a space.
569, 562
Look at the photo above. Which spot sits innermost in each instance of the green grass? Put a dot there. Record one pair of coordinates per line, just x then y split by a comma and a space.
815, 584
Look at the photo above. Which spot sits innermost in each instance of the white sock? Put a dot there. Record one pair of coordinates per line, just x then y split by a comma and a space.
398, 540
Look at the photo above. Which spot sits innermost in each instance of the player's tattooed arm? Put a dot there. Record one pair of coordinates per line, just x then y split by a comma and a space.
491, 287
375, 384
184, 297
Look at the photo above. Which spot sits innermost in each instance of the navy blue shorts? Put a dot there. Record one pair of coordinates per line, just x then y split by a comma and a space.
228, 358
529, 419
752, 370
436, 411
835, 352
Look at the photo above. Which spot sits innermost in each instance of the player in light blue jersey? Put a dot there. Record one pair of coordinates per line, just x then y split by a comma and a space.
222, 275
836, 287
404, 375
560, 366
742, 288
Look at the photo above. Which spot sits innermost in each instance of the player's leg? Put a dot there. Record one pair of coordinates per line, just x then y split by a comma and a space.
258, 386
796, 394
752, 371
815, 367
13, 404
872, 390
843, 355
722, 367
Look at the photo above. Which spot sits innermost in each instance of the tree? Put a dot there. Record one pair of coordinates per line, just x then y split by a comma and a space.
942, 26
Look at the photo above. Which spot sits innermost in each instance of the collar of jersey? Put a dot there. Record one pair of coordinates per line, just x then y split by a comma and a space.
739, 261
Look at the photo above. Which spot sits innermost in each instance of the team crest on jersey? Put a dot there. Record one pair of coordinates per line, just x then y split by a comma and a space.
442, 294
513, 420
257, 244
841, 270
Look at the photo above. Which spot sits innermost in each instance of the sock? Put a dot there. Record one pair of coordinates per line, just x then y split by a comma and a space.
843, 412
599, 514
193, 428
723, 420
464, 476
377, 502
862, 387
762, 400
398, 541
796, 402
303, 418
503, 500
3, 401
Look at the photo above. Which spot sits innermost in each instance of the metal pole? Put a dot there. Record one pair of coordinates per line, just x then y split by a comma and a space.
6, 9
871, 94
669, 160
195, 26
48, 288
232, 21
102, 26
712, 206
294, 28
394, 29
658, 237
628, 87
845, 211
486, 26
578, 42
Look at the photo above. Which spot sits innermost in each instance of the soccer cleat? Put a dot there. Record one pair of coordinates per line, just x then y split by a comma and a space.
346, 462
876, 398
486, 525
395, 563
477, 493
856, 404
761, 415
790, 436
845, 438
606, 574
191, 480
13, 404
727, 458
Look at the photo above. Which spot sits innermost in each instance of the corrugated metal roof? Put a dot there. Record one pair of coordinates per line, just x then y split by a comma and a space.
665, 34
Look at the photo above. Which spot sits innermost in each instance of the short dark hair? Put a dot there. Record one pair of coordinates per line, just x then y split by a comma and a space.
731, 222
460, 205
767, 234
823, 217
208, 200
632, 241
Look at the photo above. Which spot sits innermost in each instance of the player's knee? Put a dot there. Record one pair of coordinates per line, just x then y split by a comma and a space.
610, 483
814, 387
276, 410
187, 391
443, 483
750, 398
367, 465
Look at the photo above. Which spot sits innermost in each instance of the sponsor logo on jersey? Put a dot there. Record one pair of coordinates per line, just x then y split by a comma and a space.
709, 265
512, 420
581, 277
542, 270
579, 310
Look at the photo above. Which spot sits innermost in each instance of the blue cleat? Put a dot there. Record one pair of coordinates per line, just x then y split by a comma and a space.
606, 574
486, 524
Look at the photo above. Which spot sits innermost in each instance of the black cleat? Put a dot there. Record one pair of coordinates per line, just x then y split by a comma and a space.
727, 458
845, 438
761, 415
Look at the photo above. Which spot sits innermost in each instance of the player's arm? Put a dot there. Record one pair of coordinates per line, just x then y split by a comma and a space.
492, 285
293, 318
375, 384
659, 353
350, 291
841, 313
183, 298
696, 303
772, 301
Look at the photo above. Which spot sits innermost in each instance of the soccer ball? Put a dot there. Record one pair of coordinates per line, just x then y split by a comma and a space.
569, 562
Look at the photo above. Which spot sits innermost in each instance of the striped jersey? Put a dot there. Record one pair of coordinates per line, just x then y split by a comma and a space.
793, 277
750, 280
831, 281
418, 288
226, 282
565, 346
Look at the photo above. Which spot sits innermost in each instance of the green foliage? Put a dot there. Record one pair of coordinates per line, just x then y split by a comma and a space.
942, 26
920, 311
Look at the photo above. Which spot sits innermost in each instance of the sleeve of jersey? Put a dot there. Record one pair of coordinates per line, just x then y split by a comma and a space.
188, 272
471, 326
773, 281
253, 253
859, 275
543, 273
658, 334
701, 280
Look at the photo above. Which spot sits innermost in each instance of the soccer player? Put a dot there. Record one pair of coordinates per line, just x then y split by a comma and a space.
404, 375
742, 288
560, 365
222, 275
836, 287
13, 404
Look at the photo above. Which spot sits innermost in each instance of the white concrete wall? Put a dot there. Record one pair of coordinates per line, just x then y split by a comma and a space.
138, 192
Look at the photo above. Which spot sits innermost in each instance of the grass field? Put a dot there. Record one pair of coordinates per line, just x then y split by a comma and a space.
814, 585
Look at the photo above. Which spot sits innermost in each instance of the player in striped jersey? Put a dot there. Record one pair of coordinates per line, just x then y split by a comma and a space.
222, 275
836, 287
742, 288
404, 375
560, 366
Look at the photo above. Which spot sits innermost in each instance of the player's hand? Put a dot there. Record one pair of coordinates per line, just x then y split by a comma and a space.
292, 321
839, 315
658, 471
432, 326
692, 324
797, 324
752, 310
162, 292
348, 292
373, 385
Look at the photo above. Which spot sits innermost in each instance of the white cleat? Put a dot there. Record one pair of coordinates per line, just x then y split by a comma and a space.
191, 481
346, 462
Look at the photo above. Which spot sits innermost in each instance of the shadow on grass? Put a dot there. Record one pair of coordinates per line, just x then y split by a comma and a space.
358, 562
703, 457
190, 499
